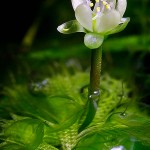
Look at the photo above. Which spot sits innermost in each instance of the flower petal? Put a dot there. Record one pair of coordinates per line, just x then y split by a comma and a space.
120, 27
83, 14
76, 3
107, 21
121, 6
93, 40
112, 3
70, 27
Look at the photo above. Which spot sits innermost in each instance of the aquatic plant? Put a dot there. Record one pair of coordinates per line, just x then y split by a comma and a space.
65, 111
50, 116
97, 21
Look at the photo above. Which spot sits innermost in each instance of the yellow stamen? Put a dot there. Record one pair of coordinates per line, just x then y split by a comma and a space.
107, 6
105, 3
98, 9
97, 1
91, 4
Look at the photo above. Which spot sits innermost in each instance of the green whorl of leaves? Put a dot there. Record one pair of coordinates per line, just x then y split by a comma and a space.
47, 115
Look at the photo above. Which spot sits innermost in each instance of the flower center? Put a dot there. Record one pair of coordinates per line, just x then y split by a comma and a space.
100, 5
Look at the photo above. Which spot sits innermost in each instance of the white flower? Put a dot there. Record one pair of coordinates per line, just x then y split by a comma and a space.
96, 20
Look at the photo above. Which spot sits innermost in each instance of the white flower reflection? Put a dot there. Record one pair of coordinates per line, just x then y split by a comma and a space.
118, 148
96, 20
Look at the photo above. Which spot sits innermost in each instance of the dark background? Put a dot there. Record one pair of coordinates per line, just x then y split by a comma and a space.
17, 17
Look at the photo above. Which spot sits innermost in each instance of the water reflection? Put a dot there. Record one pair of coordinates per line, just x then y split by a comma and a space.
118, 148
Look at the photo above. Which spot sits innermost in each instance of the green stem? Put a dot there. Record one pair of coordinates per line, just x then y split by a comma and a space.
94, 89
95, 73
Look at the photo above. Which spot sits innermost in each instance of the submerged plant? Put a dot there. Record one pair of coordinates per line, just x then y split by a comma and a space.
97, 21
62, 112
50, 117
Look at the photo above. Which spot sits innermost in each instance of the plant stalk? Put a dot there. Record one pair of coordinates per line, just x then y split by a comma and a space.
95, 73
94, 88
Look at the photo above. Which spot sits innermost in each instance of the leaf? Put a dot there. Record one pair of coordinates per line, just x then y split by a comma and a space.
70, 27
120, 27
65, 110
91, 111
107, 139
27, 132
45, 146
52, 110
11, 146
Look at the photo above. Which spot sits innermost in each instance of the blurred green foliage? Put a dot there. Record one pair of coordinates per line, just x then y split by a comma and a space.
47, 115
